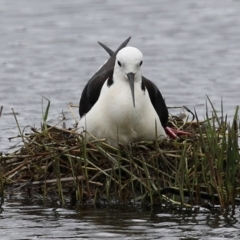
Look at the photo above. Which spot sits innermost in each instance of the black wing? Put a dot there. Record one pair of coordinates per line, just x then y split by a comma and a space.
157, 100
154, 94
93, 88
108, 50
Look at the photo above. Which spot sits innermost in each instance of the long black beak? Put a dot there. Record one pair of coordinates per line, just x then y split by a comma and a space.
131, 82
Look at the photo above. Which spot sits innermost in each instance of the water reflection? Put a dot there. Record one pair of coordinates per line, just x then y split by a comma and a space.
23, 219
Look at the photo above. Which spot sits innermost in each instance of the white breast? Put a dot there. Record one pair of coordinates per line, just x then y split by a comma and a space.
114, 118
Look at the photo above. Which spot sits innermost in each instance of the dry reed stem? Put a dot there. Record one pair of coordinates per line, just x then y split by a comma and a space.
136, 172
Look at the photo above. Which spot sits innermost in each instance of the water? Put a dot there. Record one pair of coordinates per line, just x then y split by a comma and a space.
49, 48
191, 49
33, 220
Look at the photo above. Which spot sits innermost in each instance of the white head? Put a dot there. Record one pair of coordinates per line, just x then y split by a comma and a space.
128, 66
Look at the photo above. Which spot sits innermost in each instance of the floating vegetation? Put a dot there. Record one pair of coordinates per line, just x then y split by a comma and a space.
197, 169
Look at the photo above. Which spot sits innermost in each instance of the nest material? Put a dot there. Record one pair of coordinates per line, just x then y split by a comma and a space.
202, 165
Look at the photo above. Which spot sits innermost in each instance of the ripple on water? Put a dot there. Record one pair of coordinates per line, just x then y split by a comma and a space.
50, 49
191, 49
28, 219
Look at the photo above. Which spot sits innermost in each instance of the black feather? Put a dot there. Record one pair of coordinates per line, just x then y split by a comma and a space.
91, 91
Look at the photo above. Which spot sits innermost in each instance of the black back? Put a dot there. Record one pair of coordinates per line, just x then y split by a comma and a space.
91, 91
154, 94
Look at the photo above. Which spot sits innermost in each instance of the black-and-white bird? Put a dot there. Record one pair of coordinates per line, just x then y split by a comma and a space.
121, 105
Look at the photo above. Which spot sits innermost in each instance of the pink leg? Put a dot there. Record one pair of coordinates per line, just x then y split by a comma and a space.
172, 133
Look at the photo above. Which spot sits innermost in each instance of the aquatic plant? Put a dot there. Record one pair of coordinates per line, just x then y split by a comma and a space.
197, 169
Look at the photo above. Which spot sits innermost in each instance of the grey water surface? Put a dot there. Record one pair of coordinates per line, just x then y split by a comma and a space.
34, 220
49, 48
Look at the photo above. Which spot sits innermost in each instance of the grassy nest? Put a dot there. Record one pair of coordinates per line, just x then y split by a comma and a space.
190, 170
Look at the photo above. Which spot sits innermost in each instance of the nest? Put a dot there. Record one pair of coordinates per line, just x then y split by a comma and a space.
193, 169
